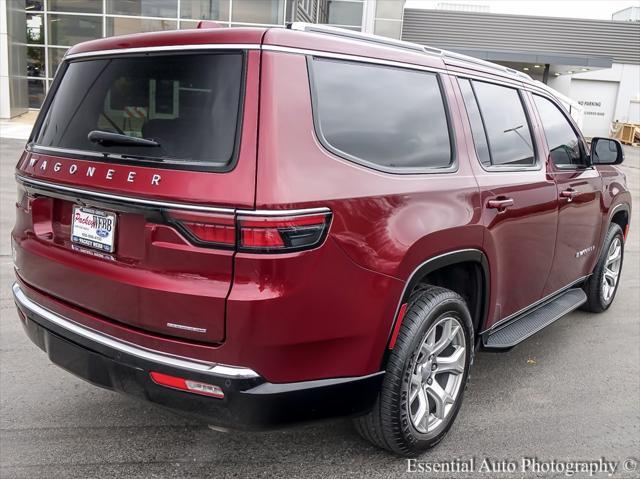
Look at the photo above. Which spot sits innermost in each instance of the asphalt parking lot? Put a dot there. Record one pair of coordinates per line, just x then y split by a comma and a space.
571, 392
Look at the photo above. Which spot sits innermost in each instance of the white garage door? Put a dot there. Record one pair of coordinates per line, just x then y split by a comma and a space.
599, 101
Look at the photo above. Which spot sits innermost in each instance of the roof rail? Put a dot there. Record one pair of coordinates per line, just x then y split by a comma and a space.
365, 37
484, 63
390, 42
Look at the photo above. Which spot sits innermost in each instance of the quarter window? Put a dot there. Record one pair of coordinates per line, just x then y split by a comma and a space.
384, 117
563, 142
506, 125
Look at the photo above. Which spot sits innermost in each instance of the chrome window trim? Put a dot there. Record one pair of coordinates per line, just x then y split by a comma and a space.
128, 348
169, 204
355, 58
165, 48
513, 82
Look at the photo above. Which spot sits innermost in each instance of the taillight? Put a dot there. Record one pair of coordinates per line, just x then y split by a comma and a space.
282, 233
254, 232
187, 385
207, 228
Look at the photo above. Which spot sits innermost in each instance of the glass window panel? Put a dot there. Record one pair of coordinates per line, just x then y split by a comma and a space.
563, 143
79, 6
380, 116
389, 9
258, 11
506, 125
34, 5
55, 58
35, 28
36, 93
188, 103
205, 9
388, 28
35, 62
477, 128
345, 13
67, 30
124, 26
150, 8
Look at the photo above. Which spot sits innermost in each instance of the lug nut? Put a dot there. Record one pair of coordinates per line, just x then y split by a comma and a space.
429, 381
434, 366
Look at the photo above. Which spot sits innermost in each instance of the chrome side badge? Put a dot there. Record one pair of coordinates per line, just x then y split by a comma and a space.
187, 328
586, 251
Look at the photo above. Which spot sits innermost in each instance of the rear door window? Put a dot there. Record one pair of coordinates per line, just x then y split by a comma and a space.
387, 118
189, 104
506, 125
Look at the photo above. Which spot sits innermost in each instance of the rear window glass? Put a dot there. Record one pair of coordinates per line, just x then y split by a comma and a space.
189, 104
384, 117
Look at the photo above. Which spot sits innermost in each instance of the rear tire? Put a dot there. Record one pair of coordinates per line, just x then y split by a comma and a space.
426, 375
602, 285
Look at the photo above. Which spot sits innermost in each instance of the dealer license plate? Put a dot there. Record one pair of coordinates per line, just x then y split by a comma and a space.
94, 228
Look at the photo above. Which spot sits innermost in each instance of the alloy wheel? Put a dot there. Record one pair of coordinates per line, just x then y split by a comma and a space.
612, 269
436, 377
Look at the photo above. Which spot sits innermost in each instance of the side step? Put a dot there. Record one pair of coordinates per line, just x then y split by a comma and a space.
520, 328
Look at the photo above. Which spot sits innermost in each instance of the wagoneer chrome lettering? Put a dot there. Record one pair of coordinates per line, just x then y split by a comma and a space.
89, 171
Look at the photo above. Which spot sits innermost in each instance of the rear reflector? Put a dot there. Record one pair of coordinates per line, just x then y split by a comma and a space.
187, 385
396, 327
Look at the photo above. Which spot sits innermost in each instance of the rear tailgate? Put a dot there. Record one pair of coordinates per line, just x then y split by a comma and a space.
145, 268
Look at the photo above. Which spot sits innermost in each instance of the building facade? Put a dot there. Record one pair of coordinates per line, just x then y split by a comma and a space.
594, 62
30, 55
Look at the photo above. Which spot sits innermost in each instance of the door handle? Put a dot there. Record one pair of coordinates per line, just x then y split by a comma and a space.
569, 194
500, 204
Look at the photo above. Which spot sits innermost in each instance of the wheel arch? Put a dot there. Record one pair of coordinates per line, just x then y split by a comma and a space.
621, 215
442, 269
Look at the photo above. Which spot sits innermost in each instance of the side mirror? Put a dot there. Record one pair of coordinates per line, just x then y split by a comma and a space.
606, 151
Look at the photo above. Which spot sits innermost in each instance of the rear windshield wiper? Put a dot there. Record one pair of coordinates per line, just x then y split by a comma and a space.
106, 138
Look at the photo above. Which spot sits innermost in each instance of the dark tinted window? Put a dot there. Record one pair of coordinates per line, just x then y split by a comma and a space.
506, 124
384, 117
564, 144
188, 103
477, 128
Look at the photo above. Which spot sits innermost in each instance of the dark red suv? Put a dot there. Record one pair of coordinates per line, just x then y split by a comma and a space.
266, 226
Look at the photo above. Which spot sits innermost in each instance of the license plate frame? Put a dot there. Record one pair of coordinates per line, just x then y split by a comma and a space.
94, 228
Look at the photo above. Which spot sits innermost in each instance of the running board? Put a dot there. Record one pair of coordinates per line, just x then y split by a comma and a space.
522, 327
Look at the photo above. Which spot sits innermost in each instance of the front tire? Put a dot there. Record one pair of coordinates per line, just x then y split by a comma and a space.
602, 285
426, 375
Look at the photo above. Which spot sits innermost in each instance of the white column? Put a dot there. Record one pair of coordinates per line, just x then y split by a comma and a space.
13, 59
368, 16
5, 103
